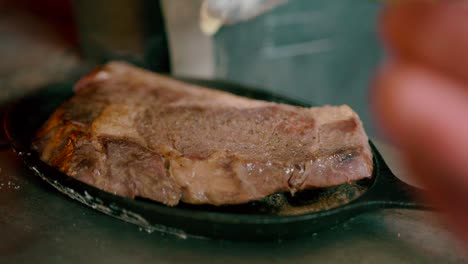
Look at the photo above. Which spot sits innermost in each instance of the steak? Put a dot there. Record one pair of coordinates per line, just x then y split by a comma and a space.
136, 133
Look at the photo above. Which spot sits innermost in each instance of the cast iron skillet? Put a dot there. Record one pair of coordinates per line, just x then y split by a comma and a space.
278, 216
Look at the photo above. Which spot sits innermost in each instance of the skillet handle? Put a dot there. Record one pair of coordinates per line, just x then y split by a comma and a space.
390, 192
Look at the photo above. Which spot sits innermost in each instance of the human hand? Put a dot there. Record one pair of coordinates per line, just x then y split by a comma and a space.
421, 97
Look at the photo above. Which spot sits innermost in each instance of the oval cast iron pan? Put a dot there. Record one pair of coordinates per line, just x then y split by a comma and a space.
278, 216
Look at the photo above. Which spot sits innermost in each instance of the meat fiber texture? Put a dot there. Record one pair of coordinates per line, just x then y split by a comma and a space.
134, 133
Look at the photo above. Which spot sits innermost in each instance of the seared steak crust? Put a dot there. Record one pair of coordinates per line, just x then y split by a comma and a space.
136, 133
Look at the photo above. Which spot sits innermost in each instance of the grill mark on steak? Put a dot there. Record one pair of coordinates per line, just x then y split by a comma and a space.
135, 133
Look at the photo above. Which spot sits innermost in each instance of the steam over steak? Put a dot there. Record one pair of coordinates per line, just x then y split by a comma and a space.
136, 133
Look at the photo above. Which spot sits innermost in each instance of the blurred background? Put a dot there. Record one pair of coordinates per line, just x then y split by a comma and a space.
318, 51
321, 51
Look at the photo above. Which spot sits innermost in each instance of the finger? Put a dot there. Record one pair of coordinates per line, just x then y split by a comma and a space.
430, 32
445, 194
423, 110
426, 114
